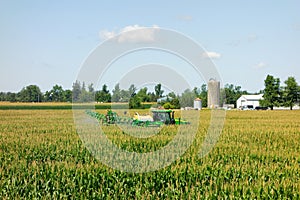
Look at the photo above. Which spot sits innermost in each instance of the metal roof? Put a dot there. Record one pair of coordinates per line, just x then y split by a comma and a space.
252, 97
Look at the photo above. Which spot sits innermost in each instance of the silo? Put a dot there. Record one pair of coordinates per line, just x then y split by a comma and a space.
213, 94
197, 104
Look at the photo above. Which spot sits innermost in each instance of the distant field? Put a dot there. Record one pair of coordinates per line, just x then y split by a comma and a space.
60, 106
256, 157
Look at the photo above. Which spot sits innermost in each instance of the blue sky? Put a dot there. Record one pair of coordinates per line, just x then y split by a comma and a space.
46, 42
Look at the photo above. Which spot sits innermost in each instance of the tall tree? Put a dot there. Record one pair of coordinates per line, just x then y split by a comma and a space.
271, 92
232, 93
80, 94
152, 97
12, 97
9, 96
124, 96
132, 90
142, 94
103, 95
172, 95
87, 95
290, 92
91, 88
116, 96
76, 91
55, 94
135, 102
187, 98
203, 95
30, 93
2, 96
196, 91
174, 100
68, 96
83, 89
158, 91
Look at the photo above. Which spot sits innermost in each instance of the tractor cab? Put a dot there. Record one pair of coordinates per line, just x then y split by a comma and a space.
164, 116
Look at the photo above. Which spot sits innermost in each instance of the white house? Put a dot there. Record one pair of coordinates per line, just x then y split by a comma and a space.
249, 100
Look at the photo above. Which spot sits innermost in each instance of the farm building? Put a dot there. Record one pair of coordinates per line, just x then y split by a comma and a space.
249, 100
197, 104
166, 98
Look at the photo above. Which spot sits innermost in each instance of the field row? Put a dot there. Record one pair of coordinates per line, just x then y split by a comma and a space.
257, 156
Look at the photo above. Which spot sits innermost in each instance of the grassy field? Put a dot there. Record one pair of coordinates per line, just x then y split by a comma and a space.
257, 156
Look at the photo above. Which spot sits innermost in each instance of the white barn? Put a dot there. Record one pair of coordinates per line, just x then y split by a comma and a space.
249, 100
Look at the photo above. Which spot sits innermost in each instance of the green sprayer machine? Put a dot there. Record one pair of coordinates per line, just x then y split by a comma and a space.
159, 118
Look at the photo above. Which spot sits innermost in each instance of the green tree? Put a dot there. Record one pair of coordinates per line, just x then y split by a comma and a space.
152, 97
187, 98
31, 93
87, 95
80, 94
56, 94
171, 101
203, 95
196, 91
116, 96
67, 96
76, 91
11, 96
168, 105
2, 96
135, 102
271, 92
91, 88
172, 95
124, 96
142, 94
158, 91
132, 90
175, 102
103, 95
231, 93
290, 92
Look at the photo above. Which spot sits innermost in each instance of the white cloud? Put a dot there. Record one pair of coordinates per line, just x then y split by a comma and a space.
260, 65
144, 34
105, 34
212, 55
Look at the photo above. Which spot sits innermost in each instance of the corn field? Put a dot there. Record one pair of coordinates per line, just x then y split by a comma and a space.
257, 157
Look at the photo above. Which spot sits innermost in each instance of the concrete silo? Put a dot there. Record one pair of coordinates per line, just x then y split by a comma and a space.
213, 94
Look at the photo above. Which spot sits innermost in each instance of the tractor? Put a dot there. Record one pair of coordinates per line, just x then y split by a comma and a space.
159, 118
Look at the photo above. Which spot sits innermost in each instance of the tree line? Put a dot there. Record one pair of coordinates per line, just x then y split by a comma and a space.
86, 93
274, 94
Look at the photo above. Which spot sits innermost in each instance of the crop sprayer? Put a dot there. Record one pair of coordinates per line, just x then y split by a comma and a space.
159, 118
